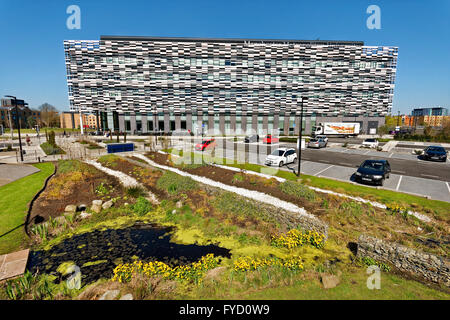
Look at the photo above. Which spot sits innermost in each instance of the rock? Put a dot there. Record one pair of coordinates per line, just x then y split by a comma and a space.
128, 296
97, 202
126, 204
96, 208
214, 274
329, 281
84, 215
107, 205
71, 208
110, 295
179, 204
174, 211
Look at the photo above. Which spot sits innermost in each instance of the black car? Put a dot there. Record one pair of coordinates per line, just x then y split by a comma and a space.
252, 138
373, 171
434, 153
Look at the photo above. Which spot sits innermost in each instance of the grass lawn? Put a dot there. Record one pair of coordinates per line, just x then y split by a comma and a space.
352, 286
438, 209
14, 200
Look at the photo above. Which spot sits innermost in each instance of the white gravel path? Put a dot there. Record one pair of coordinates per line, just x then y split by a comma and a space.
126, 180
255, 195
418, 215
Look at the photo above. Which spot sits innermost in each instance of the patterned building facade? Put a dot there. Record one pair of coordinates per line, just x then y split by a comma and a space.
229, 85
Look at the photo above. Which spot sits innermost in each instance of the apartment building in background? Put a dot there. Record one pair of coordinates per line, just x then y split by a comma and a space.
8, 112
144, 84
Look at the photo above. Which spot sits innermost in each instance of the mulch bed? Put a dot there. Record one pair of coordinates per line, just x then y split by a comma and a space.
251, 182
147, 177
82, 192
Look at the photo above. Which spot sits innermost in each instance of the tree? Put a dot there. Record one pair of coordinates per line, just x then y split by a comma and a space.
31, 122
49, 115
383, 130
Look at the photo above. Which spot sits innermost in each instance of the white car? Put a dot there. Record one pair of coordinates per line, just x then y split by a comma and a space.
370, 143
281, 156
323, 137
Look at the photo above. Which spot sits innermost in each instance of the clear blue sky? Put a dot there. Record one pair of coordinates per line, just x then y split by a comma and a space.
32, 33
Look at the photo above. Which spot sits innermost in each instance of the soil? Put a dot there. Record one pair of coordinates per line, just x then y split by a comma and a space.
81, 192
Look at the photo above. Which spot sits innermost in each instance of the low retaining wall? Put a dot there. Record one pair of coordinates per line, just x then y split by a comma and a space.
428, 266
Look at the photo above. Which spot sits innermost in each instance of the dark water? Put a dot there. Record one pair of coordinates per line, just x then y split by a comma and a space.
146, 241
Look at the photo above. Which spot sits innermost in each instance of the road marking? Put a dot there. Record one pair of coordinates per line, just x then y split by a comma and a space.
428, 175
324, 170
448, 187
367, 151
391, 155
343, 164
396, 171
398, 184
324, 161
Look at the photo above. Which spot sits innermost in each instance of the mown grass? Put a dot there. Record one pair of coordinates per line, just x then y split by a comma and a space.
14, 200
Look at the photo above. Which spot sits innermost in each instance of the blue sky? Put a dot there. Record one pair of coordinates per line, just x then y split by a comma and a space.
32, 33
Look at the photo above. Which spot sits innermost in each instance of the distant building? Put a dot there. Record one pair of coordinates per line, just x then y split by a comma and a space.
8, 109
71, 120
434, 111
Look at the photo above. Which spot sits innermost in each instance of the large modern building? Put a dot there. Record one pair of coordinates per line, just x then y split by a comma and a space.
142, 84
432, 111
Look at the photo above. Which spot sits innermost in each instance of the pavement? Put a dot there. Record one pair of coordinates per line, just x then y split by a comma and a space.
13, 264
12, 172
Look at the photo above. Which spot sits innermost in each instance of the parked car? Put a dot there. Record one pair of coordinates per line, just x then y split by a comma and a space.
317, 143
251, 138
373, 171
323, 137
205, 144
370, 143
270, 139
434, 153
281, 156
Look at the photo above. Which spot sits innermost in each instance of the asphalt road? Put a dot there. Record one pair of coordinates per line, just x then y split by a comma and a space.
414, 168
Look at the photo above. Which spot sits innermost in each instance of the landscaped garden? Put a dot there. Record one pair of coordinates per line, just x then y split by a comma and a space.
157, 234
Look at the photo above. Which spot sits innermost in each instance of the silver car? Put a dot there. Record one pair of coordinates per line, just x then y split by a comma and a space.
317, 143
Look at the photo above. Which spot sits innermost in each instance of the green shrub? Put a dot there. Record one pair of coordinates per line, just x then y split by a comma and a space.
51, 138
136, 192
142, 206
174, 183
368, 261
50, 149
298, 190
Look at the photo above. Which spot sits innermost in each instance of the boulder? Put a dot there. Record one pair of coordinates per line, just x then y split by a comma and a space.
71, 208
214, 274
84, 215
97, 202
128, 296
96, 208
329, 281
110, 295
107, 205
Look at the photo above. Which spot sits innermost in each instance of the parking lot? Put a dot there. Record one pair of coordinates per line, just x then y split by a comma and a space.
409, 173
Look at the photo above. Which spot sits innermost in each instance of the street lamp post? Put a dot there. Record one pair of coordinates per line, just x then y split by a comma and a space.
299, 157
18, 126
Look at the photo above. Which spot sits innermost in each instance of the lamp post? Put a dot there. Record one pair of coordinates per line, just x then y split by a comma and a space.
299, 157
18, 126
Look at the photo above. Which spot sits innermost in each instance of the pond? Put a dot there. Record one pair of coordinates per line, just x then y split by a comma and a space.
97, 253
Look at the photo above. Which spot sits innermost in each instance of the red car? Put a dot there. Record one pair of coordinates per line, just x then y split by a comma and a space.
270, 139
209, 143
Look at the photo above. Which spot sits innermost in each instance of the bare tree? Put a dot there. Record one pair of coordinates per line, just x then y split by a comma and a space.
49, 115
